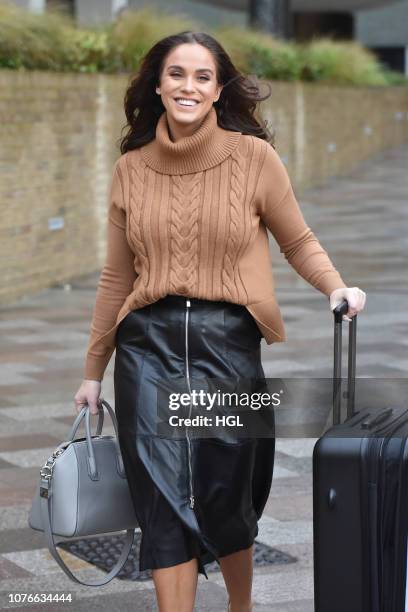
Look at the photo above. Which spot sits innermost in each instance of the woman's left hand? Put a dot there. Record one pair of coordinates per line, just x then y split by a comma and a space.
355, 297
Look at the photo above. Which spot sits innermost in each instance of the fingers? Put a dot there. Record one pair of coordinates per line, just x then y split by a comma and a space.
94, 403
80, 405
94, 407
356, 299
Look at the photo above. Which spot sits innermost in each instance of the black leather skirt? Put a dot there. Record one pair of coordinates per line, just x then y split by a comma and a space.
194, 496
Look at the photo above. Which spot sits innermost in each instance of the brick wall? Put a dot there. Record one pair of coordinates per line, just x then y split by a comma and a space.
58, 143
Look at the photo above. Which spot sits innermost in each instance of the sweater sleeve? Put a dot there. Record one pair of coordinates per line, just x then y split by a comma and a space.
279, 210
115, 282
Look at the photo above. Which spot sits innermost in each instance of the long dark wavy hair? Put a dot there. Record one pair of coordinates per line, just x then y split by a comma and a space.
235, 107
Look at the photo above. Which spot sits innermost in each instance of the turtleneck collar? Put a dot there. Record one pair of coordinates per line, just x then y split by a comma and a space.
207, 147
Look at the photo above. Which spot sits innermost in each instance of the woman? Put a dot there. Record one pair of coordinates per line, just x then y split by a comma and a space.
187, 293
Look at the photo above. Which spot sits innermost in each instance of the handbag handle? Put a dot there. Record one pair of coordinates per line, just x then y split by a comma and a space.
338, 312
101, 414
92, 467
99, 425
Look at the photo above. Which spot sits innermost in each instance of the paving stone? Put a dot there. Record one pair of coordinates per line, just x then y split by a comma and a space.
9, 570
38, 411
5, 464
31, 457
275, 533
281, 472
13, 518
290, 508
16, 443
302, 447
13, 496
22, 539
54, 426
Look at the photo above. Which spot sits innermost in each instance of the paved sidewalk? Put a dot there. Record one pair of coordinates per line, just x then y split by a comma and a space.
362, 222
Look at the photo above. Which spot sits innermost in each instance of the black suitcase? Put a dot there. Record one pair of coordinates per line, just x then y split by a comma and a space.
360, 500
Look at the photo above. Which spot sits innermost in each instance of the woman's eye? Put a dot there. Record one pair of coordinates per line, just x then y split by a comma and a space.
178, 74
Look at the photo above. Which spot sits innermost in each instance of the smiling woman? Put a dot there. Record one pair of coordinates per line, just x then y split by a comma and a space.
186, 295
187, 92
191, 68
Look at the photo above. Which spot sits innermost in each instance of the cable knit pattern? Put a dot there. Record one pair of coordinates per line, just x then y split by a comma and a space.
190, 217
137, 190
237, 190
184, 232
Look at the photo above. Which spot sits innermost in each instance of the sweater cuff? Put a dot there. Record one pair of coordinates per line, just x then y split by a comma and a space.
329, 282
95, 366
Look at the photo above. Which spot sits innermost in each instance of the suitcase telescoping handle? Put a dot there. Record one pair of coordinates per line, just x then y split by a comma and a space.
351, 369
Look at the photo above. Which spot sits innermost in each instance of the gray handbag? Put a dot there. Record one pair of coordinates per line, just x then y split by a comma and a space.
83, 491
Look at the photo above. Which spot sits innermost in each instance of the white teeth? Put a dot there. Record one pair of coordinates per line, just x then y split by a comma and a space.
184, 102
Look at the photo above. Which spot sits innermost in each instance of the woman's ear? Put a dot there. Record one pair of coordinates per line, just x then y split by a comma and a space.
219, 90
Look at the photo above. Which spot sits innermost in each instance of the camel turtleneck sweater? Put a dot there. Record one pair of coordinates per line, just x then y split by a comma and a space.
190, 218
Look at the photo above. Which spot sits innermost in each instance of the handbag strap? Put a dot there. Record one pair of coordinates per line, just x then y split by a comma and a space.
45, 495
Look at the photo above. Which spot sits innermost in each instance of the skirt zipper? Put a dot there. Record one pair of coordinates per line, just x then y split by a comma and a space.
188, 305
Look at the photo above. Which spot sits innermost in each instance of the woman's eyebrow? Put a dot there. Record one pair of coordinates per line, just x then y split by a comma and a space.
198, 69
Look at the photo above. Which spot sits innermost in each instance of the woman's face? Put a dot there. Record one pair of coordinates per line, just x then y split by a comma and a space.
189, 73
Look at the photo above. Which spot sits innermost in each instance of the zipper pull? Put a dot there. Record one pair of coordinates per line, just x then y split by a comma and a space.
188, 303
191, 501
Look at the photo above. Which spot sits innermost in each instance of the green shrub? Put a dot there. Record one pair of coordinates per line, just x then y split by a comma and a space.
395, 78
52, 41
28, 41
259, 53
48, 42
134, 32
341, 62
90, 51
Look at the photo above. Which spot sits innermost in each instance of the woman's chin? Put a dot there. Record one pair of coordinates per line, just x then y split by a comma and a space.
186, 118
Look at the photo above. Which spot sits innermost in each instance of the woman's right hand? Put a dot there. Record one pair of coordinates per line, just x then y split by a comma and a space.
88, 393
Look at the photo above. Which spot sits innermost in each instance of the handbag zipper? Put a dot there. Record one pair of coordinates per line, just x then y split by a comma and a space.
188, 305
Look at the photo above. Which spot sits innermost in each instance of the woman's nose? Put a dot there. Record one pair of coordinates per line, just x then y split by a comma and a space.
188, 85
